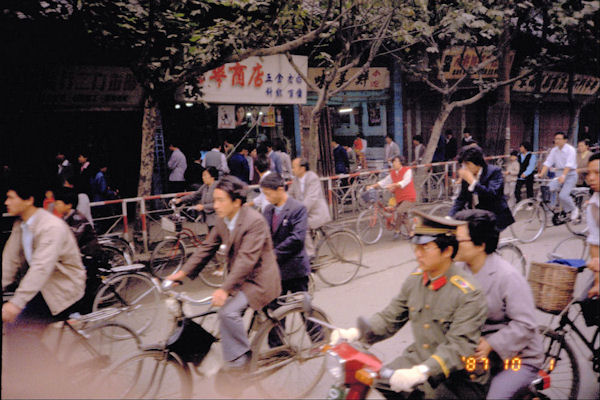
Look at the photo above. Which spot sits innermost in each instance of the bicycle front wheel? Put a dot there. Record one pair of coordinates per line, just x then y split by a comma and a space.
369, 226
561, 364
579, 226
514, 256
83, 356
441, 210
530, 221
286, 357
167, 258
134, 295
213, 274
338, 257
152, 374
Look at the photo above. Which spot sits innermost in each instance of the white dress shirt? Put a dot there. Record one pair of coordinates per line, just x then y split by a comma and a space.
562, 158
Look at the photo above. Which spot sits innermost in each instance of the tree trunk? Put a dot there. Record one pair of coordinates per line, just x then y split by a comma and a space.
311, 149
436, 131
149, 125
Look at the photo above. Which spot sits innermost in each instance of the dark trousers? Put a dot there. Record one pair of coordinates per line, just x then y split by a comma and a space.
314, 330
528, 184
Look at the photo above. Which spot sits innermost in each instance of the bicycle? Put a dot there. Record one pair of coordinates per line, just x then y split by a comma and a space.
169, 255
338, 255
163, 370
560, 359
370, 222
82, 348
129, 292
531, 214
507, 248
118, 250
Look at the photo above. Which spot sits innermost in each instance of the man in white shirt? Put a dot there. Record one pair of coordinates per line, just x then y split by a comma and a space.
563, 157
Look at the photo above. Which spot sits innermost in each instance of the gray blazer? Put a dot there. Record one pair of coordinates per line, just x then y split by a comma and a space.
204, 196
313, 199
510, 327
56, 269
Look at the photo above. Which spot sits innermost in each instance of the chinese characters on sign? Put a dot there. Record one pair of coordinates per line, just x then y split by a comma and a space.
457, 60
256, 80
83, 88
558, 83
373, 79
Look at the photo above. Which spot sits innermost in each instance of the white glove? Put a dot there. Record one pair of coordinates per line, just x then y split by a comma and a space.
404, 380
337, 335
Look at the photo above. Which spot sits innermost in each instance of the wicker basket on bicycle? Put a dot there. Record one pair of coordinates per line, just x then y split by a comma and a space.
552, 285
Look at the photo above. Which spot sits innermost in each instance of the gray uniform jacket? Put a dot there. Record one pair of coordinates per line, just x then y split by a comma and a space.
313, 199
203, 196
510, 327
446, 319
56, 269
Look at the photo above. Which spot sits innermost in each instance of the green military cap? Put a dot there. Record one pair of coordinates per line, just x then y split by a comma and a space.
429, 227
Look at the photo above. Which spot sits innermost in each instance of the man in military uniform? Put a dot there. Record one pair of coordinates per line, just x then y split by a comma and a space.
446, 310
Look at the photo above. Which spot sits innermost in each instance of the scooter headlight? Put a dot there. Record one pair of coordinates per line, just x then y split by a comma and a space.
336, 366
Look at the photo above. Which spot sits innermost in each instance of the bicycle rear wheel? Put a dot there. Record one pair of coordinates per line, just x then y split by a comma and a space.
114, 256
561, 364
530, 221
134, 295
152, 374
579, 226
213, 274
514, 256
338, 257
286, 357
369, 226
167, 258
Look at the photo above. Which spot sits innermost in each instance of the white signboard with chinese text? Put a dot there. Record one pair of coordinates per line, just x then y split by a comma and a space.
373, 79
255, 80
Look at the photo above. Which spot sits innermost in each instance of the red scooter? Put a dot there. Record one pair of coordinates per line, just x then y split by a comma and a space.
356, 371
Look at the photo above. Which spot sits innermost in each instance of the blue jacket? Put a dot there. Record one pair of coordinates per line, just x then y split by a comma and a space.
340, 158
238, 166
490, 190
288, 238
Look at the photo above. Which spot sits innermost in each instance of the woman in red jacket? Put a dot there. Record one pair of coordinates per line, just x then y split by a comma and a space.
399, 182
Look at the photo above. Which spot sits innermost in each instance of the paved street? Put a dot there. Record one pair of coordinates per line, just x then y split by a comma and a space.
389, 263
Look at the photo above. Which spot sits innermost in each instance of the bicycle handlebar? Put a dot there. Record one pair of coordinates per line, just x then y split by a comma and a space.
165, 286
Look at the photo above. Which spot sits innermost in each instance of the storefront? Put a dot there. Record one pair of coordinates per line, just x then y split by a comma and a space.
250, 101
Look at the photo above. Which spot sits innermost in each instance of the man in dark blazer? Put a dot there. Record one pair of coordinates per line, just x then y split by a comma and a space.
288, 219
252, 276
482, 187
